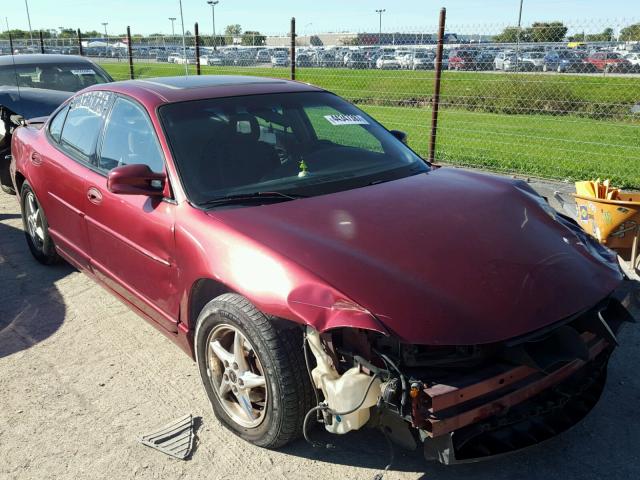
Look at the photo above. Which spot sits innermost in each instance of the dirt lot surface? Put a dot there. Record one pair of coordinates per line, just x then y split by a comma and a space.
82, 377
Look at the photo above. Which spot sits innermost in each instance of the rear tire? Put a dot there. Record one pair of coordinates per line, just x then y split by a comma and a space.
271, 414
36, 228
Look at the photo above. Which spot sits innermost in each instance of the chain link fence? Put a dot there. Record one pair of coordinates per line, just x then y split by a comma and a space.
557, 100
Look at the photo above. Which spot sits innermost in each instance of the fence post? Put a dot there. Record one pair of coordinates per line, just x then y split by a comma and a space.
435, 102
293, 48
130, 51
41, 42
197, 39
80, 43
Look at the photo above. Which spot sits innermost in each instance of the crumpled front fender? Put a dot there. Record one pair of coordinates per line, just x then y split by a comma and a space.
324, 308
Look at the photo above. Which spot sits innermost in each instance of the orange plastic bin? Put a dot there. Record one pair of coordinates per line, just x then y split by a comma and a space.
614, 223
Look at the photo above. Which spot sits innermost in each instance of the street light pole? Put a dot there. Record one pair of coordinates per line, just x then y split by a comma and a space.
184, 43
173, 31
380, 12
26, 4
518, 35
213, 4
106, 38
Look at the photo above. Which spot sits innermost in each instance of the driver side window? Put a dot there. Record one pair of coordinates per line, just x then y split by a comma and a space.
129, 138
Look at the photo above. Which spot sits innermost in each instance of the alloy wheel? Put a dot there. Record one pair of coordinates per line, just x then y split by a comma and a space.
34, 221
236, 376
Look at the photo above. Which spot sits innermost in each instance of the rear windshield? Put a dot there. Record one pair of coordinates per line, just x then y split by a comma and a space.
300, 143
67, 77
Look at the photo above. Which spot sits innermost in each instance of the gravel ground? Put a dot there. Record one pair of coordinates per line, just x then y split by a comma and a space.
82, 377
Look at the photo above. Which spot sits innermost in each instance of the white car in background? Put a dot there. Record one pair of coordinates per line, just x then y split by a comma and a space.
171, 58
387, 62
182, 60
633, 58
422, 60
279, 59
211, 60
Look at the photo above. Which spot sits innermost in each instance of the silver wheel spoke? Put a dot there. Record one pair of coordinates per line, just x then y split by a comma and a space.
251, 380
39, 233
32, 205
224, 388
220, 352
245, 404
238, 352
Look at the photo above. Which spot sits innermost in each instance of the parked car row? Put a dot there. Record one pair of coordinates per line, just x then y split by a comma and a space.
477, 57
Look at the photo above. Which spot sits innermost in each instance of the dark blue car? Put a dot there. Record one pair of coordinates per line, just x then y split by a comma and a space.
33, 86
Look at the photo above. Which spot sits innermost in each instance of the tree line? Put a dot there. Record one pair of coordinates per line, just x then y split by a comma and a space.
229, 37
555, 32
537, 32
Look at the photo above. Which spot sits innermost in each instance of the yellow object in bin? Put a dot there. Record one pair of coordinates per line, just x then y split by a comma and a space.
611, 216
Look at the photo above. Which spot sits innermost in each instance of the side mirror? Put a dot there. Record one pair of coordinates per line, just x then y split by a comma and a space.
136, 179
400, 135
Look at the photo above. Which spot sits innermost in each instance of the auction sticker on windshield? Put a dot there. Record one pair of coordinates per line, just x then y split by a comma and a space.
346, 120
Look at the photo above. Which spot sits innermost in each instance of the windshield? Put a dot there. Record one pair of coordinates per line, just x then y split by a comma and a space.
305, 144
67, 77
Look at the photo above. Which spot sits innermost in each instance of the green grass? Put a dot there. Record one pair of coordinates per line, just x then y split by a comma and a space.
555, 126
566, 147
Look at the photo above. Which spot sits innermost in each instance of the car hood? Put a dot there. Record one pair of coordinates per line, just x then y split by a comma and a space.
442, 258
32, 102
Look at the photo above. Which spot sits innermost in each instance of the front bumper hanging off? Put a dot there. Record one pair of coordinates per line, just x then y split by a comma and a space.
497, 410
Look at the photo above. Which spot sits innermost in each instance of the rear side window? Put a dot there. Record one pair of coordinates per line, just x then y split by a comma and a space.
84, 121
55, 127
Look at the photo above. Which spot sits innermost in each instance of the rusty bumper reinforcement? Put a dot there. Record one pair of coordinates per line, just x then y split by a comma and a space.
445, 415
515, 409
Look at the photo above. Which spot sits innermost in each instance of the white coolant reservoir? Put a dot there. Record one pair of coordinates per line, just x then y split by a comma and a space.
343, 392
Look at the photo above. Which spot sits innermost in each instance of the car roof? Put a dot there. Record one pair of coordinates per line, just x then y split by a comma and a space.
197, 87
41, 59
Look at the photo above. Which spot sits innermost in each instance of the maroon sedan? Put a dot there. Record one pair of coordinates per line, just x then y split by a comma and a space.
317, 269
608, 61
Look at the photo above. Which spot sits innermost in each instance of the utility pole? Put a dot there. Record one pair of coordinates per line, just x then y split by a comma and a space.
213, 4
26, 4
518, 36
106, 38
184, 43
380, 12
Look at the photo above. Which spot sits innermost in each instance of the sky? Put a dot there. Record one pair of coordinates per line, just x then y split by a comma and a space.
314, 16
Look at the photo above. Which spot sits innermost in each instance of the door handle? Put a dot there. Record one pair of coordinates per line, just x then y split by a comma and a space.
94, 195
36, 159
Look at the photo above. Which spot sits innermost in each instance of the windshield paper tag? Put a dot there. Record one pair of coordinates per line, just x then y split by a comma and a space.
346, 120
86, 71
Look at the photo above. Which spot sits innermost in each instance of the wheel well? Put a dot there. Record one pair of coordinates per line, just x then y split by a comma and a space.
202, 291
19, 182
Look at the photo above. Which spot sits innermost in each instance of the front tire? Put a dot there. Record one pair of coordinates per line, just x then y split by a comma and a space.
252, 369
36, 228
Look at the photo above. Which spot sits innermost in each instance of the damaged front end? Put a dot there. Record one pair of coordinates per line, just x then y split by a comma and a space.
466, 403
